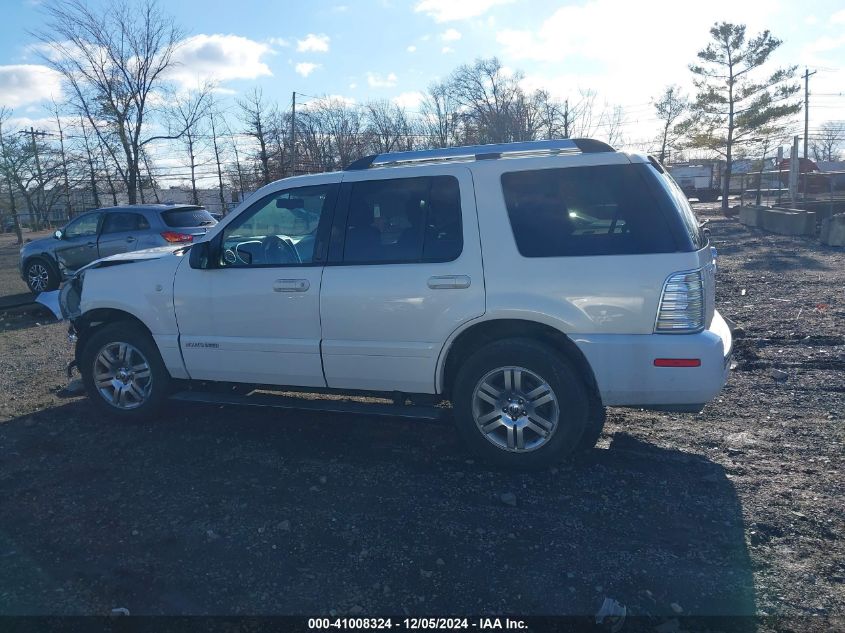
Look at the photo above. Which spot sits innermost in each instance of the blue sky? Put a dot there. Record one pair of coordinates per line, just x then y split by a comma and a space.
364, 49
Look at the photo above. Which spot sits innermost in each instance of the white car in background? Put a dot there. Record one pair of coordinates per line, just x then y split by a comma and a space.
529, 284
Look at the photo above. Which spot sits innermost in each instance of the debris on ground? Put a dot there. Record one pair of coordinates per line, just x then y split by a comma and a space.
611, 615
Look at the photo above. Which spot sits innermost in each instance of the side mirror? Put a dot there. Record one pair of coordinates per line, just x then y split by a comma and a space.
58, 234
200, 255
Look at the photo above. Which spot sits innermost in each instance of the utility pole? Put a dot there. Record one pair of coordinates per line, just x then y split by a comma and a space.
293, 135
64, 166
793, 172
566, 119
807, 75
40, 188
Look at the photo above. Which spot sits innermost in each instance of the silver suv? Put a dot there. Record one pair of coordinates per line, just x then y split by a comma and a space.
46, 262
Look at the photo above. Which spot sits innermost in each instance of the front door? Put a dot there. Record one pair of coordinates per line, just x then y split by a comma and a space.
78, 246
122, 232
255, 316
406, 274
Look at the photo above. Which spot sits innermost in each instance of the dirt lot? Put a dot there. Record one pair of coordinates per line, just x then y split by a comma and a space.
212, 510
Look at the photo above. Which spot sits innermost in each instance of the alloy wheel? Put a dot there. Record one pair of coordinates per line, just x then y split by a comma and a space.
122, 375
515, 409
38, 277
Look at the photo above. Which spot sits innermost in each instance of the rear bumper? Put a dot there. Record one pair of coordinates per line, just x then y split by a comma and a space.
626, 376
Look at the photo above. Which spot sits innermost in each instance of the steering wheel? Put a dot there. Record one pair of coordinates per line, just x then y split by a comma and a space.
279, 250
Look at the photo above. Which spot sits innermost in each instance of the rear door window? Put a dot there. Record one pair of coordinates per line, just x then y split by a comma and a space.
402, 220
583, 211
187, 218
124, 222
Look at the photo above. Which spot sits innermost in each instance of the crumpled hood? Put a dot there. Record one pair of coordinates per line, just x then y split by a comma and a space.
135, 256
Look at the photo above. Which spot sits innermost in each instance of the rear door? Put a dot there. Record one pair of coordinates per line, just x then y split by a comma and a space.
122, 231
404, 272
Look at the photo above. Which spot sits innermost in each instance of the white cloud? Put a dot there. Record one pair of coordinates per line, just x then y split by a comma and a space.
353, 86
450, 35
305, 68
412, 49
447, 49
328, 100
313, 44
279, 41
377, 81
408, 100
632, 65
28, 83
838, 17
219, 58
451, 10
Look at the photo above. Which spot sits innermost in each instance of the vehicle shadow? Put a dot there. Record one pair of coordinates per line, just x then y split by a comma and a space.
218, 510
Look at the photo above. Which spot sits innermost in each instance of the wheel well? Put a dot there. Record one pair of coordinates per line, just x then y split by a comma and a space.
485, 332
47, 260
92, 320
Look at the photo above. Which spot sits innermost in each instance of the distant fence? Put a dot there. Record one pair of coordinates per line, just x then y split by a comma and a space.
823, 192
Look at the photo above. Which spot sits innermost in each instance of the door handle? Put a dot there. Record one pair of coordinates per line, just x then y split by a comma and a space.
291, 285
130, 239
91, 244
446, 282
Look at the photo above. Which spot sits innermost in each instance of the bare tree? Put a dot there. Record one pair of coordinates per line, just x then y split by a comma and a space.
254, 114
613, 122
213, 117
670, 107
487, 96
438, 115
6, 168
91, 161
112, 62
188, 114
828, 141
388, 127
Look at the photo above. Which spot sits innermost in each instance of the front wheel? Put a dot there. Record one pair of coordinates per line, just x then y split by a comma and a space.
123, 372
40, 276
520, 404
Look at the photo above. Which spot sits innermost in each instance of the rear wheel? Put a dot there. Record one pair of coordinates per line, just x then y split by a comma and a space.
40, 275
123, 372
519, 404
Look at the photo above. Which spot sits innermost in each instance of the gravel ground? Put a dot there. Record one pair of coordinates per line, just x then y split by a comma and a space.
219, 510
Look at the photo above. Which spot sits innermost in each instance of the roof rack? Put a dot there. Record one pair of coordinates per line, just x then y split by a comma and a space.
482, 152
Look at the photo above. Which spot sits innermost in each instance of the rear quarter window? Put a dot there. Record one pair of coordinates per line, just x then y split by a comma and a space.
584, 211
184, 218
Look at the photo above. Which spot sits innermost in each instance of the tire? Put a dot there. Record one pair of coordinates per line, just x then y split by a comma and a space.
547, 404
41, 275
595, 426
120, 350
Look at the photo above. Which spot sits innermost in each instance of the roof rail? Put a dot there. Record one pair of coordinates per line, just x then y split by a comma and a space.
482, 152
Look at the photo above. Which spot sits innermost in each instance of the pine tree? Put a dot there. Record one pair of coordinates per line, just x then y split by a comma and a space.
732, 103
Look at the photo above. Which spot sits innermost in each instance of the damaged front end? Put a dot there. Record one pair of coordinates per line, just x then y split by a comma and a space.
70, 299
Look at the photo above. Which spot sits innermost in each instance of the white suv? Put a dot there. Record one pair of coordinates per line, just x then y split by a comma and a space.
529, 284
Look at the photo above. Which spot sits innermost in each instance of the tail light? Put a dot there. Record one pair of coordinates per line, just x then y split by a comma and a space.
177, 238
682, 304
